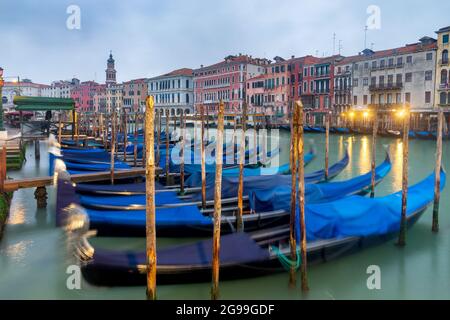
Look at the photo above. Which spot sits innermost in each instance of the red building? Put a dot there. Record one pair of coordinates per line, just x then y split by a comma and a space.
226, 81
83, 94
134, 94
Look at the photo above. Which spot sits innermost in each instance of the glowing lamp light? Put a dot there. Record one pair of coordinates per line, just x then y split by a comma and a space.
352, 114
365, 114
401, 113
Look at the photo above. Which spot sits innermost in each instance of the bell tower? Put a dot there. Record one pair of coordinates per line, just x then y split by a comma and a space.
110, 71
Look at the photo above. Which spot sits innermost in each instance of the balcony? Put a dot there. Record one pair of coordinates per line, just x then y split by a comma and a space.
386, 87
443, 62
342, 90
444, 87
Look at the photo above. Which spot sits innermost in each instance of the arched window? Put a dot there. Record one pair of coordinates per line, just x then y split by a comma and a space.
443, 98
443, 76
445, 56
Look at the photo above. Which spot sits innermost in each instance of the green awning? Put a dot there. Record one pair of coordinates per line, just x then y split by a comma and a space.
24, 103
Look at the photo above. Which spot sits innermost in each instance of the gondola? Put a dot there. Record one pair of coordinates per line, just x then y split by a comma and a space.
333, 229
181, 218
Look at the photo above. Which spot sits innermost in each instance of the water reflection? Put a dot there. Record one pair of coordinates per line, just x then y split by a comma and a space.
17, 214
364, 156
18, 251
396, 149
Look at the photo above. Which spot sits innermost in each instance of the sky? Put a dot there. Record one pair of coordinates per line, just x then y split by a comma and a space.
149, 37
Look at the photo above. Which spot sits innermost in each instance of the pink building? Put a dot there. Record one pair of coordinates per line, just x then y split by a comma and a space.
83, 94
226, 81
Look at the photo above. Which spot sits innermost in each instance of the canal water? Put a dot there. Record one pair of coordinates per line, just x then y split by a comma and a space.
34, 255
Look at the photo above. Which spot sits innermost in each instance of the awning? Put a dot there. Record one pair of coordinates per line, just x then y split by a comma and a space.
24, 103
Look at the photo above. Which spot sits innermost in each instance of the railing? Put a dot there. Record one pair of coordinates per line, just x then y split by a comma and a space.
443, 62
388, 86
444, 86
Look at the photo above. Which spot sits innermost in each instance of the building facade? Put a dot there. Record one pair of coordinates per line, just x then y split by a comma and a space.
23, 87
442, 94
134, 95
226, 81
60, 89
114, 97
83, 95
173, 91
396, 76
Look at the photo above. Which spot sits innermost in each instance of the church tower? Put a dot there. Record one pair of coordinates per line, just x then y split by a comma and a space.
110, 71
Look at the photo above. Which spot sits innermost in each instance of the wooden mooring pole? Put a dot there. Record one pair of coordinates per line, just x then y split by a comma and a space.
374, 152
217, 205
158, 150
203, 155
167, 147
240, 212
437, 181
150, 199
2, 167
59, 128
293, 162
135, 148
125, 135
327, 143
301, 195
403, 222
183, 130
113, 143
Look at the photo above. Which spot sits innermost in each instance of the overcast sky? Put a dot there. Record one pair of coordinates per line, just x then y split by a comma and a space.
151, 37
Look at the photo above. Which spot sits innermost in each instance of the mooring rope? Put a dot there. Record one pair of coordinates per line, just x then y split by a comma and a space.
285, 261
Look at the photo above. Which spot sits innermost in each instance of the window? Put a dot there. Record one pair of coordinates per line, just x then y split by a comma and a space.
429, 56
398, 98
373, 81
427, 96
305, 72
374, 64
429, 75
390, 79
391, 62
389, 98
355, 82
365, 82
445, 56
400, 61
365, 99
399, 78
409, 59
408, 77
382, 63
355, 100
366, 65
445, 39
356, 66
443, 98
444, 76
381, 81
408, 97
305, 86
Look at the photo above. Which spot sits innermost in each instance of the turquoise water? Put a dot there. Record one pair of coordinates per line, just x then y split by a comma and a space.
34, 254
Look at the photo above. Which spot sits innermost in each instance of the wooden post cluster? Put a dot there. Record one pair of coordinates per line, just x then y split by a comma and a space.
327, 143
167, 148
203, 155
2, 167
293, 163
183, 130
113, 144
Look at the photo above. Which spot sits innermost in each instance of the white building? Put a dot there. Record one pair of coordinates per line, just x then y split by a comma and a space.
23, 87
60, 89
173, 91
395, 76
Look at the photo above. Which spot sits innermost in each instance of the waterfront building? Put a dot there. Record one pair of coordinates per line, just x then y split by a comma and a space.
173, 91
23, 87
343, 71
226, 81
114, 97
318, 88
134, 95
393, 77
442, 94
60, 89
83, 95
100, 98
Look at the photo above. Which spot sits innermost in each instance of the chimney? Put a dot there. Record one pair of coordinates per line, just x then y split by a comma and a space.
292, 57
201, 66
